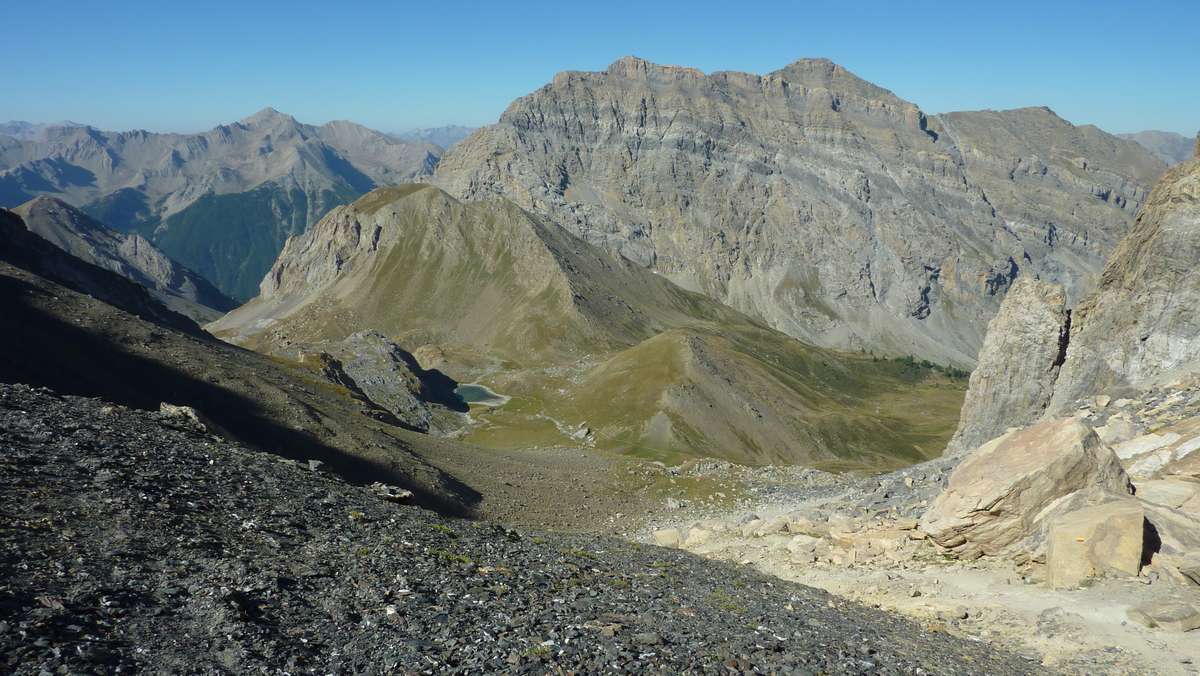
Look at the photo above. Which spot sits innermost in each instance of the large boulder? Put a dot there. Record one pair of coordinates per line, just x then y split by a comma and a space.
994, 499
1169, 614
1102, 540
1018, 364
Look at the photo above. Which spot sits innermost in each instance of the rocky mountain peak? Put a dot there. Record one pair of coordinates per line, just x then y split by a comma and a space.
268, 117
47, 207
633, 67
821, 73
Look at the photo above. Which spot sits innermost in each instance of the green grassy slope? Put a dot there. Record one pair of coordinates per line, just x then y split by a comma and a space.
233, 239
577, 336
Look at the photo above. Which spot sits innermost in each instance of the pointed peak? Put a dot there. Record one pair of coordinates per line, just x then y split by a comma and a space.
266, 116
48, 200
822, 73
820, 64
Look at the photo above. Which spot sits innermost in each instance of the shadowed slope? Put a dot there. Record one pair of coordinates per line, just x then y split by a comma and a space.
127, 254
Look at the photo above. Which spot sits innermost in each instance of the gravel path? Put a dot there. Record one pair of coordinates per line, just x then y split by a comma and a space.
135, 540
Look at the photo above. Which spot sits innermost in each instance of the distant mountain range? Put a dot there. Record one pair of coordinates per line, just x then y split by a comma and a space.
222, 202
30, 130
441, 136
1167, 146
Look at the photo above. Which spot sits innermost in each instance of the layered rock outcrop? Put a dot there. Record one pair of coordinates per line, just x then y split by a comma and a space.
1140, 327
1018, 364
995, 498
1136, 330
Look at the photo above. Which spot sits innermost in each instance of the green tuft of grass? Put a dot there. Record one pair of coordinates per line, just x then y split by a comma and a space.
723, 600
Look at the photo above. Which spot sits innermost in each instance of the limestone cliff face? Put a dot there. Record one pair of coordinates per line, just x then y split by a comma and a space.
819, 202
1018, 364
1141, 326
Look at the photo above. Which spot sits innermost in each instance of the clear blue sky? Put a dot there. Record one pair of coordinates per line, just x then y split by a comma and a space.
186, 66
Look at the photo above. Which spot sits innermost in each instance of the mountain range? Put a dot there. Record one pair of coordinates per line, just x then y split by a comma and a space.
221, 202
644, 298
808, 199
444, 136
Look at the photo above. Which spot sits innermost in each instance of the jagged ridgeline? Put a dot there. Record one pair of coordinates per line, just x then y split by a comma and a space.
579, 336
821, 203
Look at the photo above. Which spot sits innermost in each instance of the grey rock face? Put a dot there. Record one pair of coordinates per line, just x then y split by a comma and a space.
129, 255
1018, 364
374, 367
1167, 146
827, 206
1140, 327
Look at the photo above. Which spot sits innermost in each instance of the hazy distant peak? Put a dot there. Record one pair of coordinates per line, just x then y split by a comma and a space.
444, 136
267, 116
25, 131
1168, 146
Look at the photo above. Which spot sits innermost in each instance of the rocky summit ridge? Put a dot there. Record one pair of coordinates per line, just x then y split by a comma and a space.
809, 198
128, 254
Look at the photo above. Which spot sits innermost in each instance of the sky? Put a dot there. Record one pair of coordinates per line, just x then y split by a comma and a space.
187, 66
